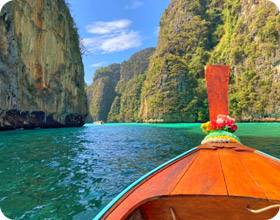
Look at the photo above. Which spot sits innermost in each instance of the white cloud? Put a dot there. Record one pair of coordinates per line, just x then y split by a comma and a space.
97, 64
111, 37
101, 27
276, 2
114, 42
133, 5
123, 41
156, 31
2, 3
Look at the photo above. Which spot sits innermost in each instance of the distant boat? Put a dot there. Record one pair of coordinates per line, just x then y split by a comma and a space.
98, 122
212, 181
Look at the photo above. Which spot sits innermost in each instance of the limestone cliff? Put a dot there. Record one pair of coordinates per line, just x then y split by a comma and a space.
114, 95
168, 85
130, 86
41, 69
250, 44
101, 93
241, 33
137, 64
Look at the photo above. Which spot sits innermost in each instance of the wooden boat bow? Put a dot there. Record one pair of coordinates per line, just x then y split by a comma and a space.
220, 177
212, 181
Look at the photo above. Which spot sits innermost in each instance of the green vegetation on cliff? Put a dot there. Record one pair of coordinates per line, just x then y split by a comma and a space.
126, 107
101, 92
194, 33
114, 95
130, 86
175, 87
218, 32
251, 47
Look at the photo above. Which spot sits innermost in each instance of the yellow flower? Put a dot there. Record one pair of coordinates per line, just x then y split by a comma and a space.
206, 127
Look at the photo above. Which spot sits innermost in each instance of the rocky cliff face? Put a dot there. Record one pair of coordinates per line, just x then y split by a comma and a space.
114, 95
126, 106
137, 64
101, 93
244, 34
174, 90
241, 33
41, 70
250, 44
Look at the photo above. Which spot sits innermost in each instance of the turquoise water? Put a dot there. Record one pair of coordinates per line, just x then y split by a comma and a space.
72, 173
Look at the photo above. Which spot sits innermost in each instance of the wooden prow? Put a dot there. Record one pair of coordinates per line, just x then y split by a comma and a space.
217, 78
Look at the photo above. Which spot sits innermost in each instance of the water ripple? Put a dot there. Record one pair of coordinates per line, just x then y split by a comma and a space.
72, 173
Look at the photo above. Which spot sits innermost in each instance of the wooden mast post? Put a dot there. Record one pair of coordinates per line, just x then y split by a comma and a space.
217, 78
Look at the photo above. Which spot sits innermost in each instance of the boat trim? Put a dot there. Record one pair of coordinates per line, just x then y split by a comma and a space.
263, 209
107, 207
275, 158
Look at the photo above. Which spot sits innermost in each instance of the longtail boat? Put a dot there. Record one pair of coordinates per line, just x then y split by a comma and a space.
211, 181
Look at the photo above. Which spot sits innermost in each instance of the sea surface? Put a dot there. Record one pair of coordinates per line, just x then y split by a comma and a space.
72, 173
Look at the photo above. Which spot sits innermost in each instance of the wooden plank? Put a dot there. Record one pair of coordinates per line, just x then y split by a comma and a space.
272, 161
217, 78
233, 146
238, 180
265, 174
205, 176
160, 184
206, 207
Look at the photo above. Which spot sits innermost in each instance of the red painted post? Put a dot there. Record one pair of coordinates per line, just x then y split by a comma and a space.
217, 78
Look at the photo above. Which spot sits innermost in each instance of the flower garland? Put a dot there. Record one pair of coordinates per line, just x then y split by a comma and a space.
221, 137
223, 122
220, 130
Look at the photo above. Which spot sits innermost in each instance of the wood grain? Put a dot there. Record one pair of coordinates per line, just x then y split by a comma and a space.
217, 78
233, 146
205, 176
273, 162
206, 208
238, 181
266, 175
160, 184
230, 176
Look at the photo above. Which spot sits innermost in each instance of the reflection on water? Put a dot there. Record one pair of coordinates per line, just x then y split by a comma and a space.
71, 173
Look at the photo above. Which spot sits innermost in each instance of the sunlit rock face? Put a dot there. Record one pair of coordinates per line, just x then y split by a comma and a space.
114, 95
193, 33
101, 93
41, 69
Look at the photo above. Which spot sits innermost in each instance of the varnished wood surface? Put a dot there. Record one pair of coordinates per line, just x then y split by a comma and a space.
217, 78
269, 160
215, 170
161, 184
206, 208
228, 146
238, 181
205, 176
266, 175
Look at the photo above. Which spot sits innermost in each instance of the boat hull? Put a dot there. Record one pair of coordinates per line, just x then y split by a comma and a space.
211, 181
202, 207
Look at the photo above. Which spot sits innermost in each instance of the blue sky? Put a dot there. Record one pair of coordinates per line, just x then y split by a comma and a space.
113, 30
